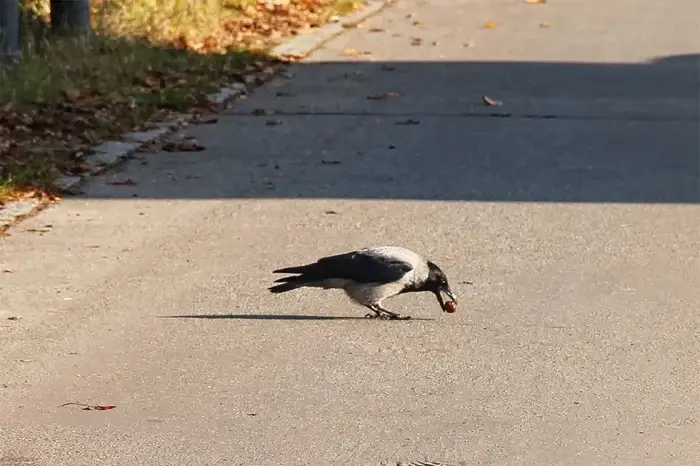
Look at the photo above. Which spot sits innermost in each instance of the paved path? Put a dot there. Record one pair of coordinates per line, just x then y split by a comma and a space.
573, 208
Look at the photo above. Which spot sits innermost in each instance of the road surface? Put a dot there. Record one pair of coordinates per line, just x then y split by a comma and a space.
572, 207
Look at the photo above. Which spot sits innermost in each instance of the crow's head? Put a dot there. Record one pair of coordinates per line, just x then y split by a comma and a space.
437, 283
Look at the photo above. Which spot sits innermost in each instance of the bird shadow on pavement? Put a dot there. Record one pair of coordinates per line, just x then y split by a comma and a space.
276, 317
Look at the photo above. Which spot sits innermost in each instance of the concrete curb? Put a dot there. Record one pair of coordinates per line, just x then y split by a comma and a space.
110, 154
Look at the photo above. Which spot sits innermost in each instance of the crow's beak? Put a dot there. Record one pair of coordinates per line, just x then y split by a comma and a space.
449, 294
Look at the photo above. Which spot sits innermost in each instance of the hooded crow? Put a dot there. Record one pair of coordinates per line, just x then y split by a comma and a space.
369, 276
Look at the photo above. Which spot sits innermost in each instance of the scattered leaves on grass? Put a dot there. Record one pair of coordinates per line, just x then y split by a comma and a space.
86, 407
489, 25
491, 102
384, 96
147, 61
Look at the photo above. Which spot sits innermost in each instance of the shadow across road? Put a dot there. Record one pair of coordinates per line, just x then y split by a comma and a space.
278, 317
548, 132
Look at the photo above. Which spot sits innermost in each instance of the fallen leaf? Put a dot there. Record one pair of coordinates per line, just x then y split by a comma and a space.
490, 25
383, 96
331, 162
465, 282
8, 271
331, 212
408, 122
262, 112
544, 24
534, 2
375, 30
90, 407
122, 182
351, 52
415, 41
491, 102
37, 230
388, 68
14, 318
273, 122
284, 94
186, 145
206, 121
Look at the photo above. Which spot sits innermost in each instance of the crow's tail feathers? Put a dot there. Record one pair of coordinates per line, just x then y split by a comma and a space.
295, 269
289, 284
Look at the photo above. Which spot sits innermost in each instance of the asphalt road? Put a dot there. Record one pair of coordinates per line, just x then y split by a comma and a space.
572, 207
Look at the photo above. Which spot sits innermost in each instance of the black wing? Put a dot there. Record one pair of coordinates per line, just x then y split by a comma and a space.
356, 266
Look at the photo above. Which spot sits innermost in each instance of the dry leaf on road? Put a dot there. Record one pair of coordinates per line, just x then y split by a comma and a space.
186, 145
491, 102
384, 96
90, 407
534, 2
490, 25
331, 162
262, 112
122, 182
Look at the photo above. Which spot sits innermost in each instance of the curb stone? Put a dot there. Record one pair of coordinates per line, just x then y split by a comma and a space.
109, 154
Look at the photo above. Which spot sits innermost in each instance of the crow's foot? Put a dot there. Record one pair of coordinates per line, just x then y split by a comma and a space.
384, 314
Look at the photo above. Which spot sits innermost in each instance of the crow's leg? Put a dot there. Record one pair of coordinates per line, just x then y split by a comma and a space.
377, 313
390, 315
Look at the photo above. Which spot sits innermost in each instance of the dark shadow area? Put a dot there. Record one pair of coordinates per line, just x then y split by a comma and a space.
275, 317
564, 132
